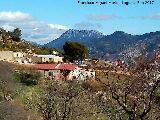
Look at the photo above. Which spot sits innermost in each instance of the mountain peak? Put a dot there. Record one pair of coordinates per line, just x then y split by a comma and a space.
83, 36
74, 31
119, 33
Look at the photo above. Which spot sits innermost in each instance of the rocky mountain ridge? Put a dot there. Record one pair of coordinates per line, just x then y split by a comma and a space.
110, 46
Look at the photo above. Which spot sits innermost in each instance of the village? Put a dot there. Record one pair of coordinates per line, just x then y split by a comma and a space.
52, 66
79, 60
38, 77
44, 74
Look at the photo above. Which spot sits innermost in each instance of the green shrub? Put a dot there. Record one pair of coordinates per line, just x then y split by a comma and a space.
28, 78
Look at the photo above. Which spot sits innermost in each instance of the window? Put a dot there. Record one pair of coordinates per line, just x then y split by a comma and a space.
50, 73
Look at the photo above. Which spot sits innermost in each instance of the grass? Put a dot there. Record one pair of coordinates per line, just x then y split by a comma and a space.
26, 97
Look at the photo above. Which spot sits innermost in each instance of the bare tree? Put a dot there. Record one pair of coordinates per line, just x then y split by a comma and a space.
135, 94
65, 101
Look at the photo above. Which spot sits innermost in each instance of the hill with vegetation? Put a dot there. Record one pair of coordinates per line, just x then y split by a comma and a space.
112, 95
110, 46
12, 41
25, 94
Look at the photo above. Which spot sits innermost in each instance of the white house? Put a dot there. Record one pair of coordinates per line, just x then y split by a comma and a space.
55, 53
11, 56
83, 74
64, 71
6, 55
46, 58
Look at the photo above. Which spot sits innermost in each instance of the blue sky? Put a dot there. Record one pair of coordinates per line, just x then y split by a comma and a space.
44, 20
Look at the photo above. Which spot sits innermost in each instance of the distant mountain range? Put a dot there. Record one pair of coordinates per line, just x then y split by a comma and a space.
83, 36
110, 46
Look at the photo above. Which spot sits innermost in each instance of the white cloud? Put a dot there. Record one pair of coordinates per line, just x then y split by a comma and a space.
58, 26
35, 28
15, 16
8, 27
152, 16
87, 26
102, 17
32, 29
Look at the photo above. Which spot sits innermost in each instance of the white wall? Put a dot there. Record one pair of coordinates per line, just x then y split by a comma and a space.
18, 54
6, 55
82, 74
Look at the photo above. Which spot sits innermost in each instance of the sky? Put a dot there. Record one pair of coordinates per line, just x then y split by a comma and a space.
42, 21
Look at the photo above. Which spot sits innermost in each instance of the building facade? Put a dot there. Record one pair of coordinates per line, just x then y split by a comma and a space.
64, 72
11, 56
46, 59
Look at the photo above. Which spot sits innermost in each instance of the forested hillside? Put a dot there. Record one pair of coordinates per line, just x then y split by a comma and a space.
12, 41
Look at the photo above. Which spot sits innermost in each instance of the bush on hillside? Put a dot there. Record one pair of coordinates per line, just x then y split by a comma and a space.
28, 78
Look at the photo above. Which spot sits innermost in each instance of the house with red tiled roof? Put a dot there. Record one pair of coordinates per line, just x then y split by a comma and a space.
45, 66
48, 70
67, 67
57, 71
67, 70
64, 71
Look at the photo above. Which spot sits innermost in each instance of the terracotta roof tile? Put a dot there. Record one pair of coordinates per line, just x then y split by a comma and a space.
54, 66
67, 67
45, 66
